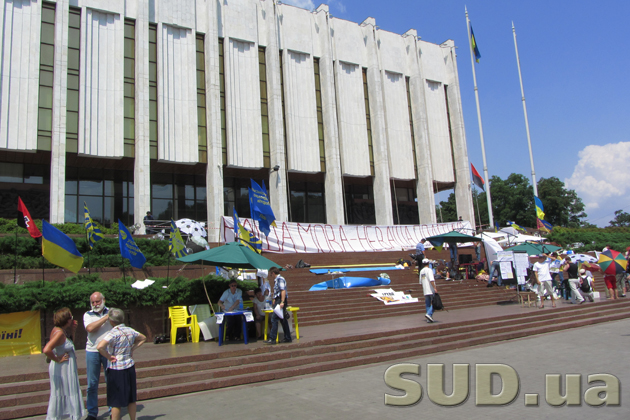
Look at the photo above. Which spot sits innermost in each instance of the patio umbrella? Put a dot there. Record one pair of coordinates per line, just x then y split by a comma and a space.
534, 248
590, 266
612, 262
453, 237
232, 254
191, 227
582, 258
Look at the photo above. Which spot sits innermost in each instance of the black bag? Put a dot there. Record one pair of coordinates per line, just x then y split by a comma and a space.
585, 285
437, 302
302, 264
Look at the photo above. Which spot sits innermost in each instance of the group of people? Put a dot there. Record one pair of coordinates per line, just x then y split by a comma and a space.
109, 344
232, 299
550, 266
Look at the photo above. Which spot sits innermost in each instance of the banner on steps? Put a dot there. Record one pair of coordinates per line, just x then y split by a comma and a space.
289, 237
20, 333
391, 297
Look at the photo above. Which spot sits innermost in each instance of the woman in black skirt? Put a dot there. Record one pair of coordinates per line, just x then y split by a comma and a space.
118, 346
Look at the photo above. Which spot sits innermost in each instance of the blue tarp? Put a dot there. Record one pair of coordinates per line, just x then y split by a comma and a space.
347, 282
347, 270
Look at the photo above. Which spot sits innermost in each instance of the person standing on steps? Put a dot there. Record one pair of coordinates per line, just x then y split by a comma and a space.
543, 278
279, 299
428, 287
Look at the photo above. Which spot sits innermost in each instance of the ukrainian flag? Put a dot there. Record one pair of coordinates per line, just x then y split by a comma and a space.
59, 249
245, 236
93, 233
473, 45
539, 208
175, 243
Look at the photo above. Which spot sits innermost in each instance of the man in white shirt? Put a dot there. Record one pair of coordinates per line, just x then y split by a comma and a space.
543, 278
96, 325
428, 286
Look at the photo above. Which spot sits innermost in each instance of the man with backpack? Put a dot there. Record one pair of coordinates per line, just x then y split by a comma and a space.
571, 269
586, 285
428, 287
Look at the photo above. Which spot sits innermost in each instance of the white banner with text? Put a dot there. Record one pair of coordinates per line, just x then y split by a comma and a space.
289, 237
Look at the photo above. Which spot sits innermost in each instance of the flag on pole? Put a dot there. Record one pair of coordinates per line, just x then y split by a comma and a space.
539, 208
544, 225
517, 227
477, 179
59, 249
245, 236
176, 244
93, 233
473, 45
24, 220
128, 247
259, 207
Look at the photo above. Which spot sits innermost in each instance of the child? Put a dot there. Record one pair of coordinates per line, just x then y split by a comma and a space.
259, 308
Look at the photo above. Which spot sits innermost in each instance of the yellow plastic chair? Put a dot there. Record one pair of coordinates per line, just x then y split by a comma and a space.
180, 319
248, 304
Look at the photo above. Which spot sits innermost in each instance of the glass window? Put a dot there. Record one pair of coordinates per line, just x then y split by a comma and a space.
70, 214
11, 172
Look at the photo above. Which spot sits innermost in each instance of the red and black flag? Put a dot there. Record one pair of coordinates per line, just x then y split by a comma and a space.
476, 178
24, 220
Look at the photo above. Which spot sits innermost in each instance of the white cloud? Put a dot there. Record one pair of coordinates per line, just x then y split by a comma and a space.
601, 175
338, 5
304, 4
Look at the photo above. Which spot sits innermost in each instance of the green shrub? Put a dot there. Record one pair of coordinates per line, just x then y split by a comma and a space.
75, 293
9, 226
594, 239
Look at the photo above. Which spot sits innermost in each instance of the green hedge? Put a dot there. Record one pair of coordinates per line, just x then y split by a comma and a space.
9, 226
106, 253
594, 239
75, 293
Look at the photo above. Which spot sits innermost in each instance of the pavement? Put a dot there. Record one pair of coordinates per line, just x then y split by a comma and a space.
358, 393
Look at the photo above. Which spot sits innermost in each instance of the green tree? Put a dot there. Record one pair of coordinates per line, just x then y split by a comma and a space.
513, 200
446, 211
562, 207
622, 219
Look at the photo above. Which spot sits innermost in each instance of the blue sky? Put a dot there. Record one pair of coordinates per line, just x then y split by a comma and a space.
574, 59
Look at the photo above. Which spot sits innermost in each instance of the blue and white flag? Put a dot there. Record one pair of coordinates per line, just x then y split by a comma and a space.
128, 247
259, 207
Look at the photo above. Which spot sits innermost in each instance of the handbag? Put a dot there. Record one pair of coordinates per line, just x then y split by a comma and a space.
437, 302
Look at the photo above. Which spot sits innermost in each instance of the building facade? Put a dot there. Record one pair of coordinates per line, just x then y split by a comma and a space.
172, 106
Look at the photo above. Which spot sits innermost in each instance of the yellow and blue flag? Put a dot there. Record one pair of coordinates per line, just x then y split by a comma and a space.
245, 236
473, 45
544, 225
259, 207
539, 208
517, 227
93, 233
128, 247
59, 249
175, 243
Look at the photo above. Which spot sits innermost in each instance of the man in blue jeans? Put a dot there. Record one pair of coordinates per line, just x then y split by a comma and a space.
495, 271
280, 299
97, 325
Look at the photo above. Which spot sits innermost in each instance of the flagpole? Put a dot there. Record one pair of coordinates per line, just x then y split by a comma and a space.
472, 184
529, 140
16, 255
483, 148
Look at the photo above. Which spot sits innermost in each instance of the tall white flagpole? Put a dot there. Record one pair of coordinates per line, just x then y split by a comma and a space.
529, 140
483, 148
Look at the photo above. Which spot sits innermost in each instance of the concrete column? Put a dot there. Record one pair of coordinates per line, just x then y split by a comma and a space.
142, 161
463, 195
278, 180
60, 88
382, 187
214, 169
424, 176
333, 178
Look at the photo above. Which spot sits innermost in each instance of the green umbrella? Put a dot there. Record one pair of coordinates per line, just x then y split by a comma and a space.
534, 248
232, 254
453, 237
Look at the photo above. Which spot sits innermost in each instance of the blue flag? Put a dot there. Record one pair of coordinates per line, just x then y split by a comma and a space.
246, 237
260, 208
93, 233
540, 210
473, 45
59, 249
128, 247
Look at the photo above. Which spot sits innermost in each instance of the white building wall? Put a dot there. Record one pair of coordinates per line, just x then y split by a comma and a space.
20, 28
177, 95
101, 99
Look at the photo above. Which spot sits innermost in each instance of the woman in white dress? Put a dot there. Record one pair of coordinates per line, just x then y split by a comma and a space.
65, 392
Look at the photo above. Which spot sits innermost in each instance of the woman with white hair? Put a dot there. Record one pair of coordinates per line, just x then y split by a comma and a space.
118, 346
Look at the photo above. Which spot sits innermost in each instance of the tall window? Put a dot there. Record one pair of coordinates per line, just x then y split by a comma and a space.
46, 64
320, 115
202, 132
29, 181
404, 203
222, 90
236, 196
368, 120
360, 203
72, 104
264, 108
108, 194
413, 138
307, 202
130, 82
153, 94
178, 196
